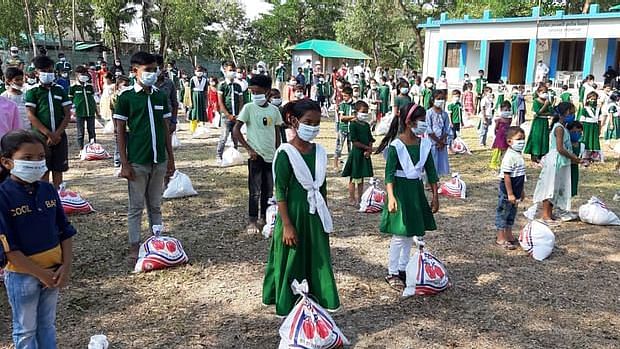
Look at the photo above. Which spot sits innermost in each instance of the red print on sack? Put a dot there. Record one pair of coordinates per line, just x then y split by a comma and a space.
322, 328
308, 327
171, 246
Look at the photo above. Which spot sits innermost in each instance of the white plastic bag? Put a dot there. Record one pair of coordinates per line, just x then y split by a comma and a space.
459, 146
270, 218
176, 142
308, 325
98, 124
232, 157
179, 186
215, 123
94, 151
373, 199
160, 252
455, 187
108, 129
537, 239
426, 274
98, 341
596, 212
531, 212
201, 133
384, 125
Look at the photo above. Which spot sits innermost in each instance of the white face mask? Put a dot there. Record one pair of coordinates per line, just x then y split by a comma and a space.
456, 99
32, 81
299, 95
420, 129
148, 78
17, 87
543, 95
259, 99
46, 78
28, 171
62, 59
64, 75
199, 74
365, 117
506, 114
307, 133
518, 145
404, 90
276, 101
439, 103
429, 84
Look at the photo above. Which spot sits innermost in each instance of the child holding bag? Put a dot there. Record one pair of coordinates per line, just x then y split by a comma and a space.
407, 213
300, 244
359, 165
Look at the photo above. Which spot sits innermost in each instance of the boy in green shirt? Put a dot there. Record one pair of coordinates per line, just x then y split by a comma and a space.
322, 92
230, 101
49, 111
455, 112
263, 121
345, 115
83, 96
566, 96
142, 119
481, 83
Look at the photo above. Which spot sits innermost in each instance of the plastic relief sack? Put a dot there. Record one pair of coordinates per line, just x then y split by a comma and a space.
537, 239
201, 133
72, 202
160, 252
98, 341
232, 157
426, 274
455, 187
179, 186
459, 146
308, 325
108, 129
176, 142
373, 199
384, 125
94, 151
596, 212
270, 218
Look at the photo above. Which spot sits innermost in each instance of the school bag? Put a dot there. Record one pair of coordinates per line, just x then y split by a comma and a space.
176, 142
160, 252
231, 157
596, 212
384, 125
308, 325
179, 186
373, 199
537, 240
72, 202
459, 146
270, 218
455, 187
426, 274
94, 151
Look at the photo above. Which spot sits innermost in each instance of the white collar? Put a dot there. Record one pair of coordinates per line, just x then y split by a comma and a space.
137, 87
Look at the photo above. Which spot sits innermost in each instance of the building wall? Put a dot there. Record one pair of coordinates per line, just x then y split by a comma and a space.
599, 59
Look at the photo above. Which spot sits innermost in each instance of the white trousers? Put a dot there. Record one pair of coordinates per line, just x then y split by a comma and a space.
400, 249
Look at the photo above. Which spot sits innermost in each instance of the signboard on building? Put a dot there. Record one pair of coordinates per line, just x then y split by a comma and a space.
571, 29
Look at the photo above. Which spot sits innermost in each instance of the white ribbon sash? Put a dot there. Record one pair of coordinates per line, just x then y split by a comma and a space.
199, 85
411, 171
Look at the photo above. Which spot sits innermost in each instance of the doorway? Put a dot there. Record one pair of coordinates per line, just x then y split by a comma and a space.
518, 62
496, 58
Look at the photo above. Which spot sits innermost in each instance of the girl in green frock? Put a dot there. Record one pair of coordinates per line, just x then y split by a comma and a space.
591, 126
538, 141
613, 118
359, 165
427, 92
407, 213
300, 244
198, 85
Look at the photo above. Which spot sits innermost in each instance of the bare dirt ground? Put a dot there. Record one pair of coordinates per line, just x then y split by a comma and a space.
499, 299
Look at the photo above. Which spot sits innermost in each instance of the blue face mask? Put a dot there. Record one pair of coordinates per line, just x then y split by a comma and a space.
569, 118
575, 136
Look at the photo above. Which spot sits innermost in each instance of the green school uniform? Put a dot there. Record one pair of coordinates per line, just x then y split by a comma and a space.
613, 128
232, 95
456, 113
591, 130
247, 94
322, 89
413, 216
83, 97
63, 66
580, 111
552, 96
199, 102
145, 115
481, 83
362, 87
358, 166
538, 141
566, 97
308, 76
346, 109
280, 71
384, 96
2, 87
39, 98
310, 259
401, 101
425, 96
498, 101
574, 170
513, 100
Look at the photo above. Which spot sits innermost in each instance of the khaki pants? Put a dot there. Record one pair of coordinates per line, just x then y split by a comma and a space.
147, 187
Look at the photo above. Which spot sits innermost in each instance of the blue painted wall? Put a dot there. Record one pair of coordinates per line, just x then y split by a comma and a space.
531, 62
463, 65
506, 60
553, 59
587, 57
441, 56
484, 53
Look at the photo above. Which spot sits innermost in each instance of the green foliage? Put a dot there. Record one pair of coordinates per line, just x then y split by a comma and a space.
12, 22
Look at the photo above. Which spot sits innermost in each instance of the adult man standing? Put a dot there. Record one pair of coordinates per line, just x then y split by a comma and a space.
541, 72
15, 60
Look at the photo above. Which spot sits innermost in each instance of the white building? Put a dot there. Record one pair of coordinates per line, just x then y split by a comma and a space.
572, 46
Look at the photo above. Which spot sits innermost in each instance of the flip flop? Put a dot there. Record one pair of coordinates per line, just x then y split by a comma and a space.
506, 245
395, 282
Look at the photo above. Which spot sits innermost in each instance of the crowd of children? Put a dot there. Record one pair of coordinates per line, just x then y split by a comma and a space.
281, 128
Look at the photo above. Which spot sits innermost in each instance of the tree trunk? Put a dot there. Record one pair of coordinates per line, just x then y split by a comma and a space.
586, 7
29, 20
419, 44
58, 30
375, 52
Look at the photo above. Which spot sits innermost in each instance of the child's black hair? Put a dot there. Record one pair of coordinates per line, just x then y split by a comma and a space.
297, 109
122, 78
12, 72
199, 68
402, 83
399, 123
80, 69
142, 58
11, 142
506, 105
456, 92
274, 92
159, 59
560, 110
348, 90
42, 62
575, 124
513, 131
565, 87
260, 80
359, 105
481, 71
592, 93
436, 93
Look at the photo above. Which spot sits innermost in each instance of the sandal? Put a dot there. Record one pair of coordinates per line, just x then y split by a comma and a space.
403, 275
506, 245
395, 282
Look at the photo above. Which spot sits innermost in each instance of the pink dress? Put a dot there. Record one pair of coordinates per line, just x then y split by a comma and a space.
468, 102
501, 127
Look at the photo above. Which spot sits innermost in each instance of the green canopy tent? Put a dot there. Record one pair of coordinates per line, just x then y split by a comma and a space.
615, 8
324, 51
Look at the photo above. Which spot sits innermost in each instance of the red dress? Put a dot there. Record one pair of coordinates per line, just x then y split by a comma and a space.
212, 105
468, 101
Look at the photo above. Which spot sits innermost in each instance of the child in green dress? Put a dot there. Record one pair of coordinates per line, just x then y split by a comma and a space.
402, 98
590, 119
613, 117
407, 213
198, 85
359, 165
565, 96
300, 245
538, 141
427, 92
